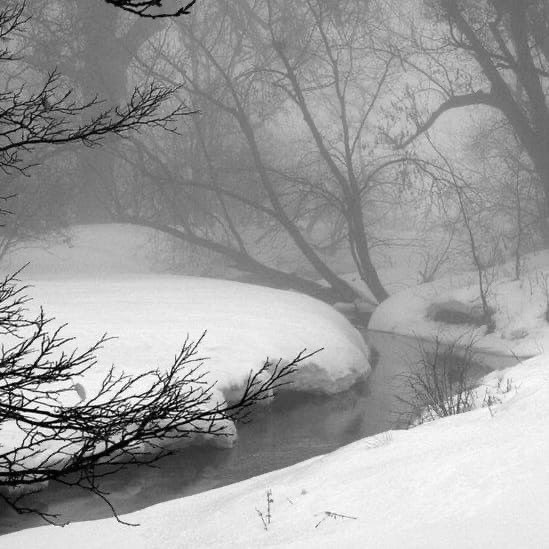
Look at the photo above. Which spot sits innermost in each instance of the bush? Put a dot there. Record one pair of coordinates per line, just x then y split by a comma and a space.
442, 382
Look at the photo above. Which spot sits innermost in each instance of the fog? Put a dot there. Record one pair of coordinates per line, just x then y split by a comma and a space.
285, 164
348, 151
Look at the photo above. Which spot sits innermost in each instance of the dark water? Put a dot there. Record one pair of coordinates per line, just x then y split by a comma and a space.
293, 428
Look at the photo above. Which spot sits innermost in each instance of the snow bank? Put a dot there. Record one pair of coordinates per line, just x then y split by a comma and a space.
520, 306
475, 480
100, 282
152, 315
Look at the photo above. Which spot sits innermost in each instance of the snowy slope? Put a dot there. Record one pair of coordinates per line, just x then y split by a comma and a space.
520, 307
476, 480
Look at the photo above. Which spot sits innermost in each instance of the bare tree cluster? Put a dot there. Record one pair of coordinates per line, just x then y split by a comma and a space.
491, 53
358, 90
252, 69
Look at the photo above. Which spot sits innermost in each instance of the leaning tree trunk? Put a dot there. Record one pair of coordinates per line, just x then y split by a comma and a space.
359, 243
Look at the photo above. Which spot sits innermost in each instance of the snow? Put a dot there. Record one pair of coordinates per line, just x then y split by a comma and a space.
520, 306
103, 283
245, 324
475, 480
479, 479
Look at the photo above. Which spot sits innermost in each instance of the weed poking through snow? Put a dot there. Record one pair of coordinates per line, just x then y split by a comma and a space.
494, 396
335, 516
267, 516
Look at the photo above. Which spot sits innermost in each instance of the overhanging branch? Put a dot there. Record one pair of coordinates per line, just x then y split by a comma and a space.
454, 102
152, 9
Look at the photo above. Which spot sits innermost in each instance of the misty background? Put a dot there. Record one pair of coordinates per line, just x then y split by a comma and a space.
296, 166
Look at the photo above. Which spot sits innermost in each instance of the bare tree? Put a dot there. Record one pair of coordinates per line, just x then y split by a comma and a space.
43, 114
51, 116
489, 53
253, 66
516, 200
470, 205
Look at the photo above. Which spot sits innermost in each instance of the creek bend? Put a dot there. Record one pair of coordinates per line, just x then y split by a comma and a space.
293, 428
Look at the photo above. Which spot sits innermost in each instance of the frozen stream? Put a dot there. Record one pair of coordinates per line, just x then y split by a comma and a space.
294, 428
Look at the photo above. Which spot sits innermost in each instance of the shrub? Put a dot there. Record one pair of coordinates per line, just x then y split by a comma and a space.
442, 382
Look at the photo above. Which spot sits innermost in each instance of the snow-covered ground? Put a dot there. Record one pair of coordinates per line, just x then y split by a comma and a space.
479, 479
151, 315
521, 327
475, 480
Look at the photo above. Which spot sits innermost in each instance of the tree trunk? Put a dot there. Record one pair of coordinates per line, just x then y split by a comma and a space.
106, 55
368, 271
244, 262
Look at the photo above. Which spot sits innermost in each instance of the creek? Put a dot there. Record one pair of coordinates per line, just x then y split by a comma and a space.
293, 428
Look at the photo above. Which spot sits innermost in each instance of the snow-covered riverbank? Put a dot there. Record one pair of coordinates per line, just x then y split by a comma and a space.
479, 479
520, 307
475, 480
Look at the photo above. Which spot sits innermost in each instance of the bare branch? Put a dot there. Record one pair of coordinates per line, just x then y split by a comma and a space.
124, 421
152, 9
454, 102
